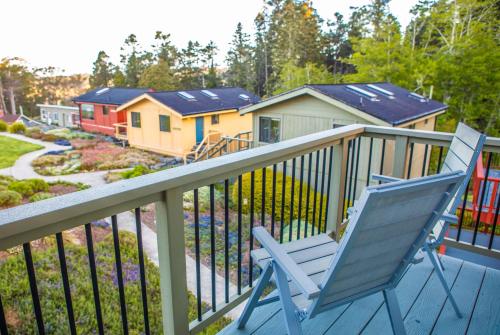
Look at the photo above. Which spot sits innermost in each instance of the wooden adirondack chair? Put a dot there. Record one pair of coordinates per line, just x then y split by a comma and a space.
465, 148
389, 224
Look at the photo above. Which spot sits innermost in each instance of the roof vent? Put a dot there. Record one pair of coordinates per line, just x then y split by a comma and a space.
102, 90
370, 95
379, 89
210, 94
419, 97
244, 97
186, 96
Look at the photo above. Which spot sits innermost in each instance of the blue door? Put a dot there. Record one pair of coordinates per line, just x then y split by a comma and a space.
199, 129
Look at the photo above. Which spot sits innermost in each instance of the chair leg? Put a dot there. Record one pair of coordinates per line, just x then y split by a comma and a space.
289, 309
254, 298
391, 301
439, 260
440, 275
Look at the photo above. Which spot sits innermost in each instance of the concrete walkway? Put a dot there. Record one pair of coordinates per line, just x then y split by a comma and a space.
22, 168
126, 222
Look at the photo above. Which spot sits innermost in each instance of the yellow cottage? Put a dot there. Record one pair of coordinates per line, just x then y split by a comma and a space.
175, 123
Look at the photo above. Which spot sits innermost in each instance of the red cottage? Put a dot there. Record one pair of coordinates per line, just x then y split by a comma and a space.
98, 108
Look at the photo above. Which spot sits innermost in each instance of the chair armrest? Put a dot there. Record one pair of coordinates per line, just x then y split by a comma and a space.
385, 179
449, 218
286, 263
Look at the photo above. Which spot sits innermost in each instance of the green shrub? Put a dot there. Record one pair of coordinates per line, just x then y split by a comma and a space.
3, 126
5, 180
41, 196
22, 187
49, 137
34, 132
49, 160
16, 296
137, 171
38, 185
268, 198
10, 198
17, 128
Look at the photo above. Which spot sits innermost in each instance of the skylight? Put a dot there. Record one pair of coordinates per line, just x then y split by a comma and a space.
373, 97
102, 90
244, 97
186, 96
210, 94
379, 89
417, 96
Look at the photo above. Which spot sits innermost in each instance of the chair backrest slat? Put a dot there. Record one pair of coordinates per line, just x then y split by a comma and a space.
389, 223
462, 155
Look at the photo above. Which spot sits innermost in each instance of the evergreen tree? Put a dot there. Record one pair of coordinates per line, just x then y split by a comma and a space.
210, 76
262, 55
161, 74
293, 76
190, 71
134, 61
240, 61
102, 74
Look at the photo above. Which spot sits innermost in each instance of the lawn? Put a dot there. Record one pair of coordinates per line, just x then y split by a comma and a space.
11, 149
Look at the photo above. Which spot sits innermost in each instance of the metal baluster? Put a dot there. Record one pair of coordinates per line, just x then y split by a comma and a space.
494, 227
93, 275
344, 214
356, 171
315, 195
330, 167
425, 159
382, 157
369, 162
252, 210
308, 195
240, 182
119, 273
481, 201
323, 172
300, 195
263, 201
212, 244
351, 172
142, 270
65, 280
226, 240
439, 159
34, 290
461, 220
410, 160
292, 194
283, 192
197, 254
273, 202
3, 323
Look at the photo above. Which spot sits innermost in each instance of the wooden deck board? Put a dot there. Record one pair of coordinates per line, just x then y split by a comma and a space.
422, 300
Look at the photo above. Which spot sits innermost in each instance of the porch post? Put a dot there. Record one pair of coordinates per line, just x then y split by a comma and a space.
172, 261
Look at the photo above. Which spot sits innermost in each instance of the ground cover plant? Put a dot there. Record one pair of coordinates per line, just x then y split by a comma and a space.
88, 155
11, 149
17, 299
16, 192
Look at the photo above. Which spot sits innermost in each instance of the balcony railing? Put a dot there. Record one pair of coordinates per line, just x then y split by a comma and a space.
205, 211
121, 130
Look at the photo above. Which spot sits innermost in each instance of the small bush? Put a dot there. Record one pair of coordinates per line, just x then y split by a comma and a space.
17, 128
5, 180
22, 187
49, 138
38, 185
3, 126
137, 171
41, 196
48, 160
10, 198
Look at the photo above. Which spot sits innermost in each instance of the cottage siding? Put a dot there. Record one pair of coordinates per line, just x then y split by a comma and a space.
103, 123
182, 137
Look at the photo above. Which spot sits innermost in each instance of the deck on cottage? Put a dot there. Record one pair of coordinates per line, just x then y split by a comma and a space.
423, 303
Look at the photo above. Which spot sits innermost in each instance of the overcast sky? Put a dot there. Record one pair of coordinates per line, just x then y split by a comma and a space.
68, 34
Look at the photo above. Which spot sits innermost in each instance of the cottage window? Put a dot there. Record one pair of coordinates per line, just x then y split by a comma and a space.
165, 123
136, 119
215, 119
88, 111
269, 130
105, 110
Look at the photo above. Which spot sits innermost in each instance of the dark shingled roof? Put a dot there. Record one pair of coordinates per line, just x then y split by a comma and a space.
228, 98
111, 95
398, 108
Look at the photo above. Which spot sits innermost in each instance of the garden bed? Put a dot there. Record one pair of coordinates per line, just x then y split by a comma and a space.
87, 155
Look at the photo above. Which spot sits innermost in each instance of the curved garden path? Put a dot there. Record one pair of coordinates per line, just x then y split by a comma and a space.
22, 168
